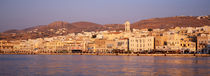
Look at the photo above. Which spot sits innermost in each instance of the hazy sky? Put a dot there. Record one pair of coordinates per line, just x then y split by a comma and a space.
19, 14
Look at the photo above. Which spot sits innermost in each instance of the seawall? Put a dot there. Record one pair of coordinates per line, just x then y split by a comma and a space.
111, 54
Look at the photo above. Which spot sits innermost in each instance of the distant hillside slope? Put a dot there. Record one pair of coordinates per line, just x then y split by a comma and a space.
87, 26
56, 28
168, 22
62, 28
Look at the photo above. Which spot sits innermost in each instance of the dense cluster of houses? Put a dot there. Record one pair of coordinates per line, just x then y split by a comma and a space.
181, 39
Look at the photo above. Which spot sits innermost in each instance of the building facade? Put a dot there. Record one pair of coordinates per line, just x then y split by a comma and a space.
137, 44
202, 44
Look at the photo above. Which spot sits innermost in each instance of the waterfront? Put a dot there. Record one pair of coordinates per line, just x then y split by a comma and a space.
108, 54
84, 65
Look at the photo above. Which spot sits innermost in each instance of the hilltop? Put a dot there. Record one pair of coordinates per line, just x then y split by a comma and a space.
56, 28
63, 28
170, 22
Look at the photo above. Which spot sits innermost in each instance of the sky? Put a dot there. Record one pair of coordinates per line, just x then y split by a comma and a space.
20, 14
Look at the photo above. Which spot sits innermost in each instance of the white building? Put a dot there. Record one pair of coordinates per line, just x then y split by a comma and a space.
141, 43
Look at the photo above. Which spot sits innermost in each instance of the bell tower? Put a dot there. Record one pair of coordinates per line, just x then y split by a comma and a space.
127, 26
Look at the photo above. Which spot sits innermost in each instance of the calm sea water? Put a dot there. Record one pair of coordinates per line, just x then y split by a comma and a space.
80, 65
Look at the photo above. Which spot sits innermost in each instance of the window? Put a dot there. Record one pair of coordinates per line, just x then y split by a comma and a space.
165, 43
119, 44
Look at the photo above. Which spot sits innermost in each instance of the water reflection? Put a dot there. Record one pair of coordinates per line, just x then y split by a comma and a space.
53, 65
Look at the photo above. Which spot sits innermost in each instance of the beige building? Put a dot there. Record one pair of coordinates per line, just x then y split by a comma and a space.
103, 45
110, 45
53, 46
112, 35
161, 43
188, 44
91, 47
122, 44
99, 45
203, 43
6, 46
137, 44
173, 41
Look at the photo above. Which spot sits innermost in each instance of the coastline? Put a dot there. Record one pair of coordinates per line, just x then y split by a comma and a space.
108, 54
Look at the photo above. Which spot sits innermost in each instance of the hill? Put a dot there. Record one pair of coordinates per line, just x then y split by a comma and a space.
56, 28
170, 22
87, 26
62, 28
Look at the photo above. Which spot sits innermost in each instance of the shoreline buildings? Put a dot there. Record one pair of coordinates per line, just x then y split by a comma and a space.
178, 39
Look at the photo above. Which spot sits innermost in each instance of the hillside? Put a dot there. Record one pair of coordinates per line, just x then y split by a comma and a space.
169, 22
62, 28
56, 28
87, 26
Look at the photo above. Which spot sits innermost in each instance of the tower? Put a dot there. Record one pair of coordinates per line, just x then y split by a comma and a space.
127, 26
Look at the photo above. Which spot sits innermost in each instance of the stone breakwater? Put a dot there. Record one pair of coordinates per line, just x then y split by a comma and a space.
111, 54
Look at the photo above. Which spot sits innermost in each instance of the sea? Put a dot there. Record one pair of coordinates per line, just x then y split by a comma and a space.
85, 65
